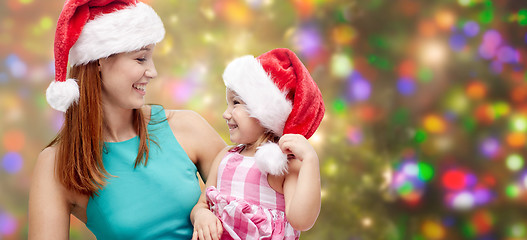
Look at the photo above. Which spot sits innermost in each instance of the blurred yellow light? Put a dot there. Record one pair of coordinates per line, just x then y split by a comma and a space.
445, 19
443, 143
165, 47
433, 230
366, 222
457, 101
434, 124
343, 34
46, 23
514, 162
173, 19
330, 167
501, 109
433, 53
208, 13
237, 13
464, 3
518, 123
341, 65
208, 38
316, 139
387, 176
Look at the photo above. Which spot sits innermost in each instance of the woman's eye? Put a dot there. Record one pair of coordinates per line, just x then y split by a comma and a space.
235, 102
141, 59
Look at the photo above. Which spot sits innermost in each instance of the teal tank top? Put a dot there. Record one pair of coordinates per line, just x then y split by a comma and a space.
146, 202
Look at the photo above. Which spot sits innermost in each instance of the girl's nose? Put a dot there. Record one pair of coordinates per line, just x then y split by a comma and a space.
227, 114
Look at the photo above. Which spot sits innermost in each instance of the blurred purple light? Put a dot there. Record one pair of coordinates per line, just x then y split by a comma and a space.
490, 147
308, 41
3, 78
8, 224
457, 42
255, 4
361, 89
492, 38
448, 221
16, 66
51, 67
355, 135
57, 120
507, 54
401, 179
496, 67
406, 86
487, 51
470, 180
471, 28
482, 196
12, 162
181, 91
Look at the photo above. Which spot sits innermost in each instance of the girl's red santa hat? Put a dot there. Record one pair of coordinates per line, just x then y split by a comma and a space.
278, 91
88, 30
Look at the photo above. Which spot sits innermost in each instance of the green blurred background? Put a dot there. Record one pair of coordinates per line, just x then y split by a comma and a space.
425, 130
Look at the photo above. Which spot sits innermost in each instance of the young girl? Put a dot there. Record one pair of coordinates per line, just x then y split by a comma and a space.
267, 187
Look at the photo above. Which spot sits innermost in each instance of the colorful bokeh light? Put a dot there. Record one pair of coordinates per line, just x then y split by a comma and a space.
12, 162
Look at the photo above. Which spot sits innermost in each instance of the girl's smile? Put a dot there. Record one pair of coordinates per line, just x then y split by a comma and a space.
243, 128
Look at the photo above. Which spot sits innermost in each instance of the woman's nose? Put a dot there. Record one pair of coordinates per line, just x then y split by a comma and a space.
151, 72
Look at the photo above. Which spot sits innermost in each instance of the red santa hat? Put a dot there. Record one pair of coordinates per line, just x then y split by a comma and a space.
279, 92
88, 30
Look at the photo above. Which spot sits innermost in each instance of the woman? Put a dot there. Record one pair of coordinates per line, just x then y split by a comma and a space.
126, 170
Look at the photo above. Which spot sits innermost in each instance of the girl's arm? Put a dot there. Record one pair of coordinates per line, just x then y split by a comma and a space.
206, 224
49, 208
302, 183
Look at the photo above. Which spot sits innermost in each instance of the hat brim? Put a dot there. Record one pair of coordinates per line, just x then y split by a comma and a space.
126, 30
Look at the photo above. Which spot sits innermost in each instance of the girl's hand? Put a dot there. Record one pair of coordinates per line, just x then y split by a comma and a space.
206, 225
297, 145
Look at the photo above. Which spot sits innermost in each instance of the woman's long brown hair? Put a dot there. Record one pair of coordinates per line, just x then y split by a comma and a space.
79, 165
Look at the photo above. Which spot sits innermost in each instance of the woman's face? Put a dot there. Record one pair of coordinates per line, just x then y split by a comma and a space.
125, 76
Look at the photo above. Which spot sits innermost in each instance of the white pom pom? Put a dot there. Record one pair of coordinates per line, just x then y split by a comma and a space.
61, 95
270, 159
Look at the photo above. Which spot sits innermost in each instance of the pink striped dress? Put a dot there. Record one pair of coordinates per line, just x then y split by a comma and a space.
245, 203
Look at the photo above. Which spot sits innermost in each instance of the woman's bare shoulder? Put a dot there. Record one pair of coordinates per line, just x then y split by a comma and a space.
45, 172
185, 118
47, 156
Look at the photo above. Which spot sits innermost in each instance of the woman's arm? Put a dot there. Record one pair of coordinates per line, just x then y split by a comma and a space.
49, 209
201, 142
206, 224
302, 183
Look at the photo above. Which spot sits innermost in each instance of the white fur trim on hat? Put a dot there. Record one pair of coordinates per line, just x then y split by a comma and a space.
270, 159
265, 102
60, 95
125, 30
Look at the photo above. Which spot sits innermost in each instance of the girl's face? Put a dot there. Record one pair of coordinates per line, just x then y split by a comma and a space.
125, 76
243, 128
